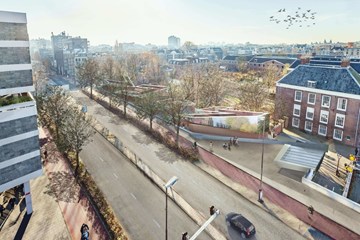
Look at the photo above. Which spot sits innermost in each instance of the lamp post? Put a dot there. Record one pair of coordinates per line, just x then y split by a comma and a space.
260, 198
168, 185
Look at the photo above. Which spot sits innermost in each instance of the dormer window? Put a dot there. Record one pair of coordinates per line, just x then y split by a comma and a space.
311, 84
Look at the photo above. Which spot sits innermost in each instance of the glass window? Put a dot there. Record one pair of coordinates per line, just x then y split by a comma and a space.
325, 102
308, 126
311, 84
324, 116
322, 130
311, 98
338, 134
340, 120
310, 113
298, 96
297, 109
342, 102
295, 122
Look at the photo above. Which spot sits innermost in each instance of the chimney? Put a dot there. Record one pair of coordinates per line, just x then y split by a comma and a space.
345, 62
305, 60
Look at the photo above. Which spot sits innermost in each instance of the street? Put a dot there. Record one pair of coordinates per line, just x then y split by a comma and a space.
138, 204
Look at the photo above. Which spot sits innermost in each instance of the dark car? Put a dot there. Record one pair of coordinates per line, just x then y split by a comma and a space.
241, 224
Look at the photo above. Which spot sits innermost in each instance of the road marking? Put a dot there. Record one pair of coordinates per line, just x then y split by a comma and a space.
156, 223
133, 195
115, 175
101, 159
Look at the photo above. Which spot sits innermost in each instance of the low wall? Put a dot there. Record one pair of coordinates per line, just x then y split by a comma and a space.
343, 200
282, 196
197, 128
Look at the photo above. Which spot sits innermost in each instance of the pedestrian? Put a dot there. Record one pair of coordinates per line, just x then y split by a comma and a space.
211, 146
225, 145
230, 141
84, 232
229, 148
1, 210
45, 155
195, 145
356, 151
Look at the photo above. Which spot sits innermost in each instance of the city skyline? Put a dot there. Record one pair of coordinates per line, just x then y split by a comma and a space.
201, 22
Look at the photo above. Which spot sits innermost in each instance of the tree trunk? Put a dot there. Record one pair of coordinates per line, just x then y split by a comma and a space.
77, 163
91, 87
177, 134
151, 120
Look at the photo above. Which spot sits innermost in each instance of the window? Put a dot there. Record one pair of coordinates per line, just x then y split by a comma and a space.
324, 116
295, 122
297, 109
311, 84
308, 126
311, 98
338, 134
325, 102
310, 113
342, 102
322, 130
298, 96
340, 120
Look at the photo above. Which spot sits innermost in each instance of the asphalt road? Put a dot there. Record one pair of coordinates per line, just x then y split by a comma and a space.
195, 186
138, 203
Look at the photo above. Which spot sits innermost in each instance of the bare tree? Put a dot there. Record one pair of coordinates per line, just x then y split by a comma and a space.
108, 68
151, 68
175, 106
252, 95
122, 87
40, 78
88, 74
77, 132
149, 105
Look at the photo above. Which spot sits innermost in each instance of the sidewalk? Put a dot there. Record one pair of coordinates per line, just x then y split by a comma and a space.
74, 204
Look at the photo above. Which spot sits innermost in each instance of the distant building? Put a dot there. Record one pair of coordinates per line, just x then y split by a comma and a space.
173, 42
66, 49
261, 63
20, 159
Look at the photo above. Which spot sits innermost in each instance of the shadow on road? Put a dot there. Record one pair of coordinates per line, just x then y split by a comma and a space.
20, 232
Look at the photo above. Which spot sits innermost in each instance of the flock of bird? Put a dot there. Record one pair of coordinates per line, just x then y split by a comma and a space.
299, 18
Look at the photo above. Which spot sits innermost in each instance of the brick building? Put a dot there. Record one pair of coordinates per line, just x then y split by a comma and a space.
19, 136
322, 100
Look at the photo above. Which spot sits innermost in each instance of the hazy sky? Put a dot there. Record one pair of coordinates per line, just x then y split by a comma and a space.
199, 21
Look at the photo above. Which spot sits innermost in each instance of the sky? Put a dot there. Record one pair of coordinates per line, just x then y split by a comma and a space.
198, 21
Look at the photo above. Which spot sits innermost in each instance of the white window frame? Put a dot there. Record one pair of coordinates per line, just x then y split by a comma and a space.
298, 100
339, 103
322, 101
320, 133
311, 126
313, 103
297, 107
342, 133
297, 126
338, 115
311, 84
327, 116
310, 110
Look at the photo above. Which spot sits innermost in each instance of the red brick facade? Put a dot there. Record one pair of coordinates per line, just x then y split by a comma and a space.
350, 130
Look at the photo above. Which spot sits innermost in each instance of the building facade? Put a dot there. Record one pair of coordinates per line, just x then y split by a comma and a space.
19, 136
322, 100
173, 42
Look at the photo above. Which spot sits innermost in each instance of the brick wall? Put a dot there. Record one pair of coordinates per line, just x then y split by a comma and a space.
351, 113
20, 169
13, 31
19, 55
16, 149
13, 79
18, 126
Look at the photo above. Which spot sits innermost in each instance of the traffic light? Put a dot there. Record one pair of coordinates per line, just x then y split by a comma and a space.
212, 210
184, 236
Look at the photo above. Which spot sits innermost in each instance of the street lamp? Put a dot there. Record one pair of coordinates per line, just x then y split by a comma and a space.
260, 199
168, 185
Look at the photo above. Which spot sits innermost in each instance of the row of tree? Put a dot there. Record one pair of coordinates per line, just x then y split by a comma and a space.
72, 129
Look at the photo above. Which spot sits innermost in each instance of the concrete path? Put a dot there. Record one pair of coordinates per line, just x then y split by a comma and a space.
74, 204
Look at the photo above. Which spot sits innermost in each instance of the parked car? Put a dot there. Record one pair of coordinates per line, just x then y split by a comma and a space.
241, 224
